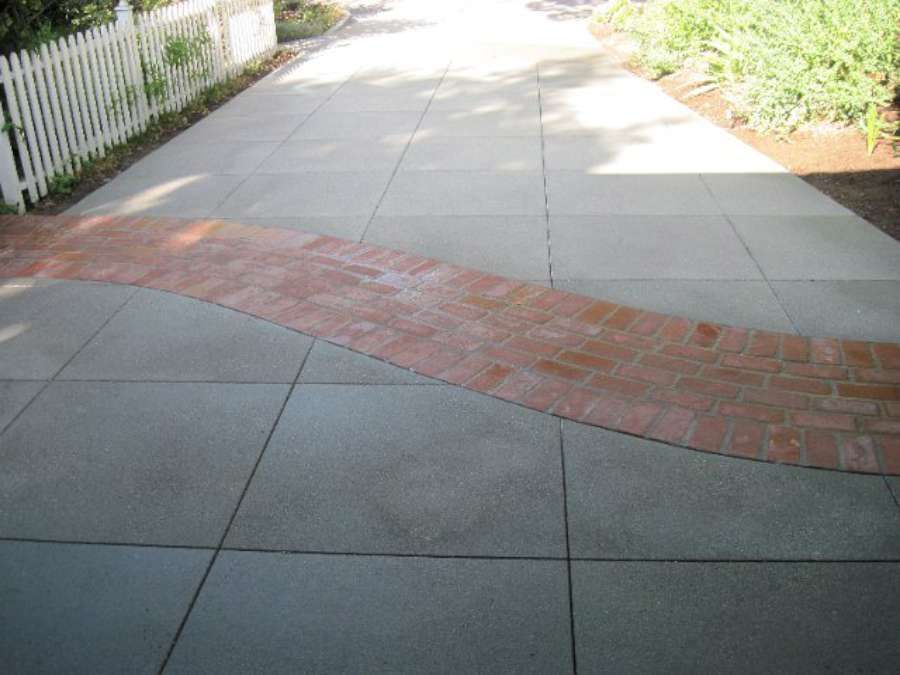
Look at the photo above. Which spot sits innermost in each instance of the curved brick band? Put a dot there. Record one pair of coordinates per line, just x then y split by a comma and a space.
782, 398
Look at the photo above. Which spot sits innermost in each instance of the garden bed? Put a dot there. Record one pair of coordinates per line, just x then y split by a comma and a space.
300, 19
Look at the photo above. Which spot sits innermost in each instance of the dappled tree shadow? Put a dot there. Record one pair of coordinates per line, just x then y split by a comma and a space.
563, 10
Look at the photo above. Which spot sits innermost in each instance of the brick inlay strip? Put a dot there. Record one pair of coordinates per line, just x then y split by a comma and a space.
816, 402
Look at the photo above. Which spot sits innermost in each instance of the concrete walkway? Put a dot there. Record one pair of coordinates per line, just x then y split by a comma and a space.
495, 135
186, 488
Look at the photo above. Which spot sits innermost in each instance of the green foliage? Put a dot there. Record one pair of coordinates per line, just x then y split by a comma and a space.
617, 14
189, 54
873, 128
62, 184
782, 62
26, 24
877, 127
298, 19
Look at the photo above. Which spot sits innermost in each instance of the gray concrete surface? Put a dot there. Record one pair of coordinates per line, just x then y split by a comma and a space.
420, 124
357, 518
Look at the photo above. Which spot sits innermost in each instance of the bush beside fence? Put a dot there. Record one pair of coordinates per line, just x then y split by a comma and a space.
74, 98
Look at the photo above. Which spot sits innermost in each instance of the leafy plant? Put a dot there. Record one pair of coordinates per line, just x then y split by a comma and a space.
873, 128
783, 63
26, 24
298, 19
617, 14
62, 184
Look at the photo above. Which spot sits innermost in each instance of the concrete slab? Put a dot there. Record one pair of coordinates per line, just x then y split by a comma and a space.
632, 498
396, 126
284, 613
358, 97
249, 127
330, 364
462, 193
14, 396
476, 153
190, 196
469, 122
819, 247
423, 470
861, 310
516, 91
648, 247
894, 486
257, 102
336, 154
750, 304
164, 337
736, 617
45, 323
654, 149
575, 193
329, 193
770, 195
133, 462
92, 609
514, 246
174, 160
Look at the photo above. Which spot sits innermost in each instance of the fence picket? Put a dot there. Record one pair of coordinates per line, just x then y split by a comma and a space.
16, 137
73, 99
56, 116
99, 96
43, 163
68, 102
90, 91
45, 114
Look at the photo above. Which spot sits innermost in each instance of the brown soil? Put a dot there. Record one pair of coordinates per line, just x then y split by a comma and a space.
834, 161
124, 156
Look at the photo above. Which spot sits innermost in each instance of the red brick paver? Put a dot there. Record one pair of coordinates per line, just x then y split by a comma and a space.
813, 402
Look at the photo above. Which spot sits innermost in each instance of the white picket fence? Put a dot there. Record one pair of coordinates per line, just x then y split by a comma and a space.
74, 98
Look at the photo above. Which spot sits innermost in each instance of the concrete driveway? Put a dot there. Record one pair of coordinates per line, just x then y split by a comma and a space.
187, 488
495, 135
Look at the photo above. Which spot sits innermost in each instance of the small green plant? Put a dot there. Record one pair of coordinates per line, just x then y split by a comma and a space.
62, 184
876, 128
156, 84
188, 54
8, 209
9, 126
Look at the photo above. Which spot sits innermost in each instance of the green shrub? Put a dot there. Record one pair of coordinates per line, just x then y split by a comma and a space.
297, 19
782, 62
25, 24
